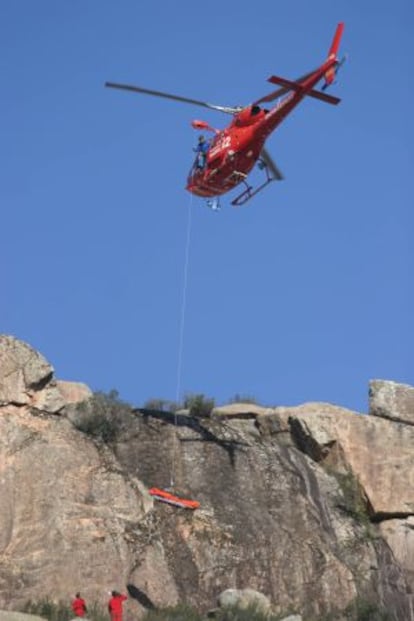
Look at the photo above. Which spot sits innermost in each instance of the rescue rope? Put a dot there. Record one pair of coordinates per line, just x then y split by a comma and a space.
181, 334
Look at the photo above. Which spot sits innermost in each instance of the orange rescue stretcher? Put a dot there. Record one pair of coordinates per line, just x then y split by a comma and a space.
171, 499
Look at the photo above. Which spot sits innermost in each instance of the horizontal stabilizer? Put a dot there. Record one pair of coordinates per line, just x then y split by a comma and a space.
297, 87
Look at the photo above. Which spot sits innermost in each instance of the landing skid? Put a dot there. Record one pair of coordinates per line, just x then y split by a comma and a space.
249, 191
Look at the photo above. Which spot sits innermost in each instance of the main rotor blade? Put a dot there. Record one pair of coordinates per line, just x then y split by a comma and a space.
271, 165
195, 102
271, 96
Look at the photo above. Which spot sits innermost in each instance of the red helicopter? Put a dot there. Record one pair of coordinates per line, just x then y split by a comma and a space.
226, 160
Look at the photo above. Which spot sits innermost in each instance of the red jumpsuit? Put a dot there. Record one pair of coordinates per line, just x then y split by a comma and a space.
115, 606
79, 607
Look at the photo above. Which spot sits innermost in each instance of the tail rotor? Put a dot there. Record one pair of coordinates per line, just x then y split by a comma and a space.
330, 75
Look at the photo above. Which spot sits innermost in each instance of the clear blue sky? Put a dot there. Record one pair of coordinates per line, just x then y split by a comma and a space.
304, 294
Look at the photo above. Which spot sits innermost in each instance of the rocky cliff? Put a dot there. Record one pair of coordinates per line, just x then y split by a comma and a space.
311, 505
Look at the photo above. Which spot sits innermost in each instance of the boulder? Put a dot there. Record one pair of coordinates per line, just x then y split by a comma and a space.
391, 400
244, 598
240, 410
73, 392
23, 371
26, 379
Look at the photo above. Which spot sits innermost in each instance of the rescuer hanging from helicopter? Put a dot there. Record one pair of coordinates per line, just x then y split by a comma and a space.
201, 150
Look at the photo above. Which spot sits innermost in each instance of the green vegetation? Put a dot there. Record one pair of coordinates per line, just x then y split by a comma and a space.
62, 612
245, 614
364, 610
359, 610
49, 610
353, 500
199, 405
185, 613
103, 416
161, 405
176, 613
241, 398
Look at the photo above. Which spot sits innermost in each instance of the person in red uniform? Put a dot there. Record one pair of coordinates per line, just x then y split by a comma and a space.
79, 606
115, 605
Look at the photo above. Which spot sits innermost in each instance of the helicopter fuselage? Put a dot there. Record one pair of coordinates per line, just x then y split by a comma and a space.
234, 151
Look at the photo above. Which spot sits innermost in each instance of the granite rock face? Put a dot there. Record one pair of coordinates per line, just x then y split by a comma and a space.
303, 505
378, 450
66, 506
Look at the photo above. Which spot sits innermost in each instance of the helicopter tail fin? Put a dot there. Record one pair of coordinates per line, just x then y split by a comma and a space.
333, 54
333, 50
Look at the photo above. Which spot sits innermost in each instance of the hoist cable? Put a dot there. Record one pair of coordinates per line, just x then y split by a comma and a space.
181, 331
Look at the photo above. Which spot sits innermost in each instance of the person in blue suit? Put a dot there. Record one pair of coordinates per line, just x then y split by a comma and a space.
201, 150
